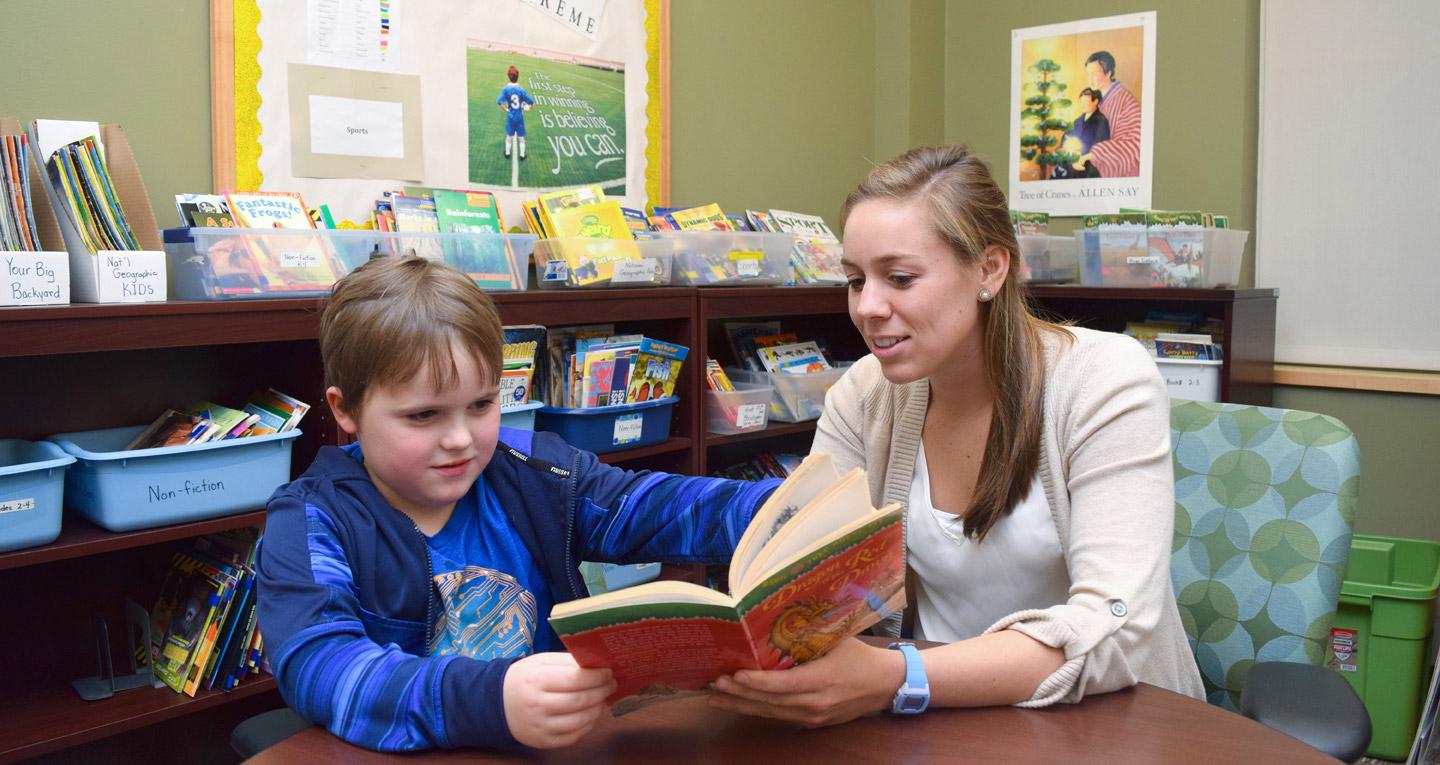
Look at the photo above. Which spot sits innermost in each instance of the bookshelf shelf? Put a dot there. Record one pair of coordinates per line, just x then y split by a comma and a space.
80, 538
673, 444
770, 431
55, 718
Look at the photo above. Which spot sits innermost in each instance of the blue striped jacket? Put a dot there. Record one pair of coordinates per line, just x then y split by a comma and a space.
347, 605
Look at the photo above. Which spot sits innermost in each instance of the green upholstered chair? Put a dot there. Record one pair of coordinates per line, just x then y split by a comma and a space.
1264, 507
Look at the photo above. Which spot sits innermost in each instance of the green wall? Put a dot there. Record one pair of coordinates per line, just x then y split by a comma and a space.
787, 105
143, 64
1207, 85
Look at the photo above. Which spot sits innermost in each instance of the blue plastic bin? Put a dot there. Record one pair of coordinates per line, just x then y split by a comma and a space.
32, 481
609, 428
601, 578
128, 490
521, 417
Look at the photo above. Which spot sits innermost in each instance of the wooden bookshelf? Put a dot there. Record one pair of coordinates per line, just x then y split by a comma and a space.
79, 538
55, 717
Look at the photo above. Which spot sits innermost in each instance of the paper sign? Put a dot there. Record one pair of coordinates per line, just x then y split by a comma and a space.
628, 428
582, 16
633, 271
750, 416
354, 34
130, 276
16, 505
357, 127
34, 278
301, 259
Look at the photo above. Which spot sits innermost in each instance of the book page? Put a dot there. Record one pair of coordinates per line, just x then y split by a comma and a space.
815, 474
840, 506
651, 592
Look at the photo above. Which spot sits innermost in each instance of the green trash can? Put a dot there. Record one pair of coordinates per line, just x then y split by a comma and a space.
1380, 639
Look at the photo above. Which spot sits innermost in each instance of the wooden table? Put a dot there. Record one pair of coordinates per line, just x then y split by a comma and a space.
1142, 724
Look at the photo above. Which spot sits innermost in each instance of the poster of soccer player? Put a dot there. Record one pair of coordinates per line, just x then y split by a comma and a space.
1082, 115
348, 101
544, 120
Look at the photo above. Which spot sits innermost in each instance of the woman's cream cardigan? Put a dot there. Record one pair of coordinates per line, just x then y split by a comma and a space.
1105, 465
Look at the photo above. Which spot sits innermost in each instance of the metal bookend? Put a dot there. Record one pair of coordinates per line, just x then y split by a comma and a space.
106, 684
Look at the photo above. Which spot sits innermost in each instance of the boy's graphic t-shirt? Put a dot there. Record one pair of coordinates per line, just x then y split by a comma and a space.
491, 590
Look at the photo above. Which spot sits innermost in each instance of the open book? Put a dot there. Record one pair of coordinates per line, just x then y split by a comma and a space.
817, 564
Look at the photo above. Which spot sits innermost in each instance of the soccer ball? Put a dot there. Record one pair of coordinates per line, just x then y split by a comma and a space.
526, 107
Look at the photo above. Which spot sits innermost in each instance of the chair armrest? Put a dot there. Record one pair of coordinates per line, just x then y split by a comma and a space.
1311, 703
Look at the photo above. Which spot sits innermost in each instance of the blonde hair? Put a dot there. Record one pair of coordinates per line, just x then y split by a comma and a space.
968, 211
388, 318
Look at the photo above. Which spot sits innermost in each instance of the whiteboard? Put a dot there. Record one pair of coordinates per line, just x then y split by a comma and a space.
1345, 217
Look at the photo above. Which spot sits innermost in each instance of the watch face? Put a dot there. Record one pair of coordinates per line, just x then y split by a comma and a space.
914, 703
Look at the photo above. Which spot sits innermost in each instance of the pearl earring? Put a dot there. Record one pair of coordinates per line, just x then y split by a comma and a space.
985, 295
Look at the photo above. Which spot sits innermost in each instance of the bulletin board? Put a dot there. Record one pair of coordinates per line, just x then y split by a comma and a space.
343, 100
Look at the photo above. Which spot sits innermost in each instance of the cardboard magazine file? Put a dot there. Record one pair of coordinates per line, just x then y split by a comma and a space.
41, 277
110, 276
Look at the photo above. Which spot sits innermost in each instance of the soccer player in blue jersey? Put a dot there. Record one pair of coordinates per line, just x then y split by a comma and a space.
406, 580
515, 101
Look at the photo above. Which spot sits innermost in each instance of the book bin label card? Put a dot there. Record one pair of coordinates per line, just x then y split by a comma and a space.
34, 278
133, 276
300, 259
627, 429
634, 271
16, 505
750, 416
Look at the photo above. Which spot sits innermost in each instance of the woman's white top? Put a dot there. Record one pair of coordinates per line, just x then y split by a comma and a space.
966, 586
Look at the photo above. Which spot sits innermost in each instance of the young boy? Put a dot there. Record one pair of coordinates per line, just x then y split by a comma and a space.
405, 580
514, 100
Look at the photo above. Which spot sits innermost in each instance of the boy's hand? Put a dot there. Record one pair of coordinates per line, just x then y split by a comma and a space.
551, 702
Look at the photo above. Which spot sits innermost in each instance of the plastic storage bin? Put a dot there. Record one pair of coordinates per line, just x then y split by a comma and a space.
609, 428
241, 263
32, 482
730, 258
578, 262
794, 398
739, 411
128, 490
1049, 259
1193, 379
1379, 641
520, 417
1162, 257
601, 578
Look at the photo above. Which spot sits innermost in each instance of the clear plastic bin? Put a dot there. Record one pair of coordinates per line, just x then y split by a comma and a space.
739, 411
1049, 259
32, 484
578, 262
241, 263
794, 398
127, 490
730, 258
601, 578
609, 428
1164, 256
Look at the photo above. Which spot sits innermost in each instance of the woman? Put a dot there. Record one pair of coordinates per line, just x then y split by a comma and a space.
1033, 460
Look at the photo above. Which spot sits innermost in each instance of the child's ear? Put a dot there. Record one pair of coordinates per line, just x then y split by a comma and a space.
343, 417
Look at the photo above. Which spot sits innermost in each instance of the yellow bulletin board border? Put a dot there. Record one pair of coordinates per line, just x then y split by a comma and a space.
235, 97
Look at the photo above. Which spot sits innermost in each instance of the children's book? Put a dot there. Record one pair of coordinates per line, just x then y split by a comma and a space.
654, 371
268, 209
817, 564
194, 610
703, 218
487, 261
203, 206
593, 263
416, 215
793, 358
171, 428
802, 224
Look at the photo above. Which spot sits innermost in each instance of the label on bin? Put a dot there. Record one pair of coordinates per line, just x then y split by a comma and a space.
750, 415
635, 271
299, 259
627, 428
747, 262
16, 505
1142, 260
1344, 650
556, 271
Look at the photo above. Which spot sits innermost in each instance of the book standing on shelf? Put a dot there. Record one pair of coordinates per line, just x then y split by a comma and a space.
816, 565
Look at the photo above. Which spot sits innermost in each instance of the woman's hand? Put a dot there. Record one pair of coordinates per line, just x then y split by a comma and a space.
851, 680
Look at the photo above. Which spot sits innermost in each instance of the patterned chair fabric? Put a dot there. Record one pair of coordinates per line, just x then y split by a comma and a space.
1264, 508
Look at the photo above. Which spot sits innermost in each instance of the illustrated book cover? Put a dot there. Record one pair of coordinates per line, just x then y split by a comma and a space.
817, 564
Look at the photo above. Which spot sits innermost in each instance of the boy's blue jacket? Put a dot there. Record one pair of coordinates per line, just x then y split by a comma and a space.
347, 606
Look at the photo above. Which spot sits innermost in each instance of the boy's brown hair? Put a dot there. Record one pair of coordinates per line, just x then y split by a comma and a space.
392, 315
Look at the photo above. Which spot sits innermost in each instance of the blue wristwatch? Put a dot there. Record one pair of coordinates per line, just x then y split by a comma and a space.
914, 694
